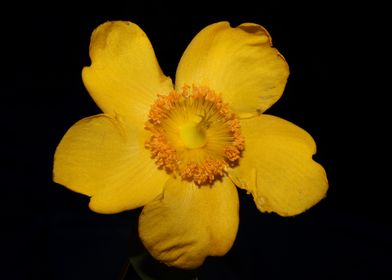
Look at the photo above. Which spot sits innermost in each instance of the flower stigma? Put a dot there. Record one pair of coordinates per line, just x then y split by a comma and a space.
194, 134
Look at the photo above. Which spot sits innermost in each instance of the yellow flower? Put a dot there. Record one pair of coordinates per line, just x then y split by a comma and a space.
180, 151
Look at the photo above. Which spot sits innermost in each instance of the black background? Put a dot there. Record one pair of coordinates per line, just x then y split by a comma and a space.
332, 92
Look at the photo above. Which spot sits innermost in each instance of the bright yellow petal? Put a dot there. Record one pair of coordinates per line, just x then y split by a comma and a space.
277, 166
101, 157
188, 223
238, 63
124, 77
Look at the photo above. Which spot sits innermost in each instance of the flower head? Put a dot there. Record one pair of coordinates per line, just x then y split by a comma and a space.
181, 150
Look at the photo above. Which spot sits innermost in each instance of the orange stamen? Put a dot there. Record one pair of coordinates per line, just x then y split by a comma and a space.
201, 108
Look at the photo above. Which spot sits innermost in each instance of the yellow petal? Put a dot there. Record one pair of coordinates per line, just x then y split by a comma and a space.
277, 166
101, 157
238, 63
124, 77
188, 223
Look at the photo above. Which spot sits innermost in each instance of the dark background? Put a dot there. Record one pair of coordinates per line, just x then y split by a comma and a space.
332, 92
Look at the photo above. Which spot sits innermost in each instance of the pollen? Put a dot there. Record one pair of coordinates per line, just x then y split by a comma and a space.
194, 134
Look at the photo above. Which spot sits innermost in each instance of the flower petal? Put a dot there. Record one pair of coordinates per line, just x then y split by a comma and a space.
124, 76
277, 166
101, 157
187, 223
237, 62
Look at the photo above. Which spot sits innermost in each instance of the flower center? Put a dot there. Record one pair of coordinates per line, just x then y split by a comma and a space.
194, 134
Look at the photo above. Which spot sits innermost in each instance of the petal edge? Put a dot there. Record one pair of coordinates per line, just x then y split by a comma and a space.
103, 158
238, 63
277, 166
124, 76
187, 223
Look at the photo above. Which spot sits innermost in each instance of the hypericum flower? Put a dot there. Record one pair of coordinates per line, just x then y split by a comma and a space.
181, 151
